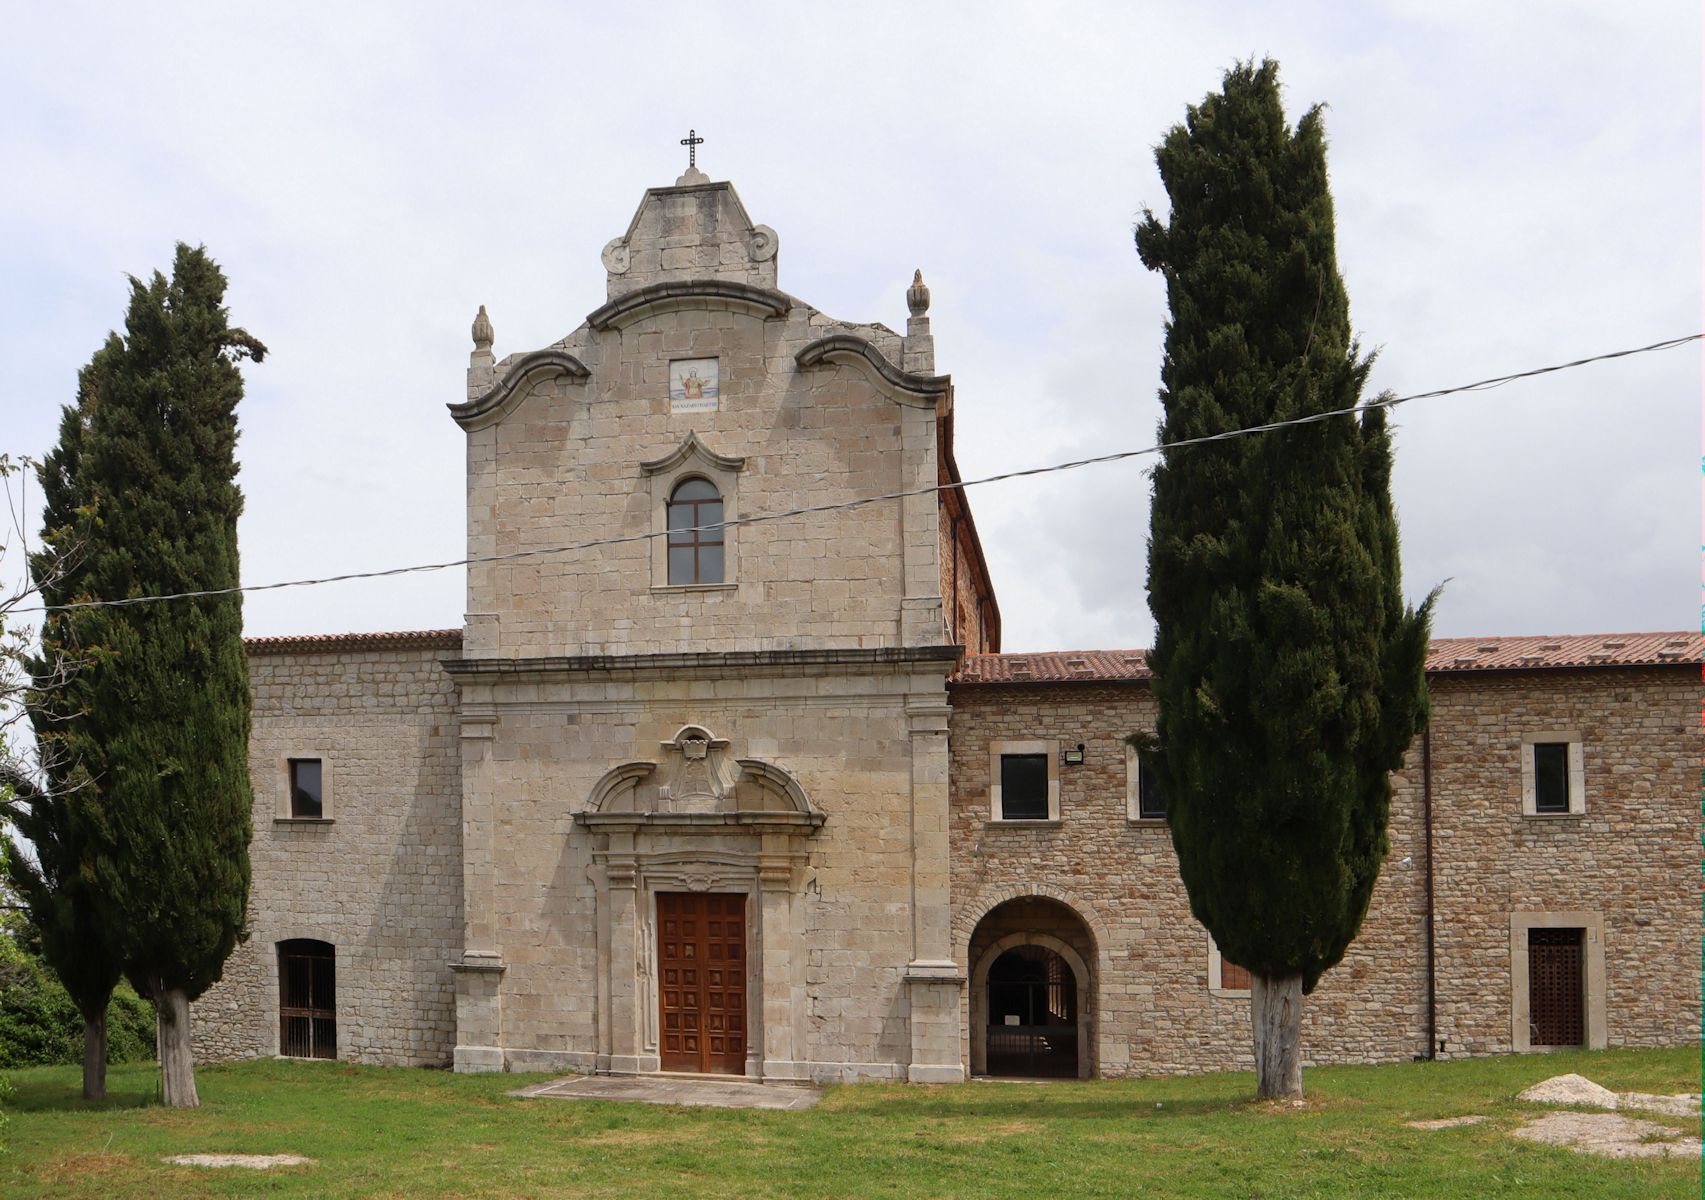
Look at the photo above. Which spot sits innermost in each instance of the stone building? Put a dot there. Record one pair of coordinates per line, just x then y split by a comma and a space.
765, 799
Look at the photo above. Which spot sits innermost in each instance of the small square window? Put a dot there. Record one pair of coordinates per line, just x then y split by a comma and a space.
306, 791
1024, 787
1551, 777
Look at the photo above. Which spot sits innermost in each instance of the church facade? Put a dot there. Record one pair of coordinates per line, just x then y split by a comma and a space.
763, 798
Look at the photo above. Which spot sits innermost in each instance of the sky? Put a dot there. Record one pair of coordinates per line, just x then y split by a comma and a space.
1515, 186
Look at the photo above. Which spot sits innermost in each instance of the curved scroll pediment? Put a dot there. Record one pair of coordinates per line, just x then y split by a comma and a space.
692, 449
900, 386
695, 294
507, 392
700, 783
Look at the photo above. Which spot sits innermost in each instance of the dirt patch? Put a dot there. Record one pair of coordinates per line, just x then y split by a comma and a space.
1445, 1122
254, 1162
1609, 1136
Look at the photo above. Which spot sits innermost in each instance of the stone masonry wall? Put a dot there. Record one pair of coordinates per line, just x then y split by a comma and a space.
1154, 1013
844, 738
381, 880
1631, 858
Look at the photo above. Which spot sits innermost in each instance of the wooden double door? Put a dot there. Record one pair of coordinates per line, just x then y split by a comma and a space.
701, 972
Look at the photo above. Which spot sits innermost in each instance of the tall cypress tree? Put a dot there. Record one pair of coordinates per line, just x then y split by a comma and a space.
58, 810
1288, 672
162, 723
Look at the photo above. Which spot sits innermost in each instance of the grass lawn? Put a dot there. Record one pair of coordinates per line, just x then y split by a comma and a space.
396, 1132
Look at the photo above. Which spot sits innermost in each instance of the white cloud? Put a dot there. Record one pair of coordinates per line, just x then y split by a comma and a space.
1511, 190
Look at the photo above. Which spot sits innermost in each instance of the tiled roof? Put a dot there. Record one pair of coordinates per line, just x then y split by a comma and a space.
1445, 655
342, 643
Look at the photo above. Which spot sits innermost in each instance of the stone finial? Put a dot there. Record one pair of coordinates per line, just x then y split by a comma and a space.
483, 335
917, 296
692, 177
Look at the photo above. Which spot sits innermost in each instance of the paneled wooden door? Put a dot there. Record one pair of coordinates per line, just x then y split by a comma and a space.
701, 969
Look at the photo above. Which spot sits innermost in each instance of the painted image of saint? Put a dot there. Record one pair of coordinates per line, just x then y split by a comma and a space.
693, 384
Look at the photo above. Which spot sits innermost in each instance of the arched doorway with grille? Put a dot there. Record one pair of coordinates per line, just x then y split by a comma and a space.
1030, 994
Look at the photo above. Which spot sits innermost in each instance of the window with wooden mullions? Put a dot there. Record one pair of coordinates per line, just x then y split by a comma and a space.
695, 533
307, 999
1551, 777
307, 793
1024, 787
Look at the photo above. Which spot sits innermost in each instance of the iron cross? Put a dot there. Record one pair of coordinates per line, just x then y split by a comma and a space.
692, 142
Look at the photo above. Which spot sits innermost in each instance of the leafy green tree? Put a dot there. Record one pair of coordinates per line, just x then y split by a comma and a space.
155, 732
1288, 672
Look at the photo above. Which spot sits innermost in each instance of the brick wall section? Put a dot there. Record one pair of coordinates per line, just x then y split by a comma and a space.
1632, 856
381, 882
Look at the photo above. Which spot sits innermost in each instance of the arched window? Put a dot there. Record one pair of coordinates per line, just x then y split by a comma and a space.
695, 551
307, 999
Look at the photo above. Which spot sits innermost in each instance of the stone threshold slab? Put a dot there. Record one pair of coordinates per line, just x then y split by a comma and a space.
705, 1093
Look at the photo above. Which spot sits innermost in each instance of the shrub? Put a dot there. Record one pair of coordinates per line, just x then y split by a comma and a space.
40, 1026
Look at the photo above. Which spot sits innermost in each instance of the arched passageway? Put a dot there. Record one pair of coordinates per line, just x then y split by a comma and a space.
1031, 986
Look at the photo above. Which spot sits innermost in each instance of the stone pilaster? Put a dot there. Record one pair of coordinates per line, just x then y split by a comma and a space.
933, 978
479, 969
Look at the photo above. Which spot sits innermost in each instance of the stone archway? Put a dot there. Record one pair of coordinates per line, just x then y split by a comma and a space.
1054, 931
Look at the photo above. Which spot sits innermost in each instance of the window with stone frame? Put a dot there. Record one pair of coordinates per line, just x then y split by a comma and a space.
1225, 978
307, 789
1553, 774
1024, 787
695, 536
1024, 780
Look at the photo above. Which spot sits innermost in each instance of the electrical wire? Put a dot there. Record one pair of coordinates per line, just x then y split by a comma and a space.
1381, 402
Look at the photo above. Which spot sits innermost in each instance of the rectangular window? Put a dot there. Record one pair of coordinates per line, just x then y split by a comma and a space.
1233, 978
1024, 787
1551, 777
1151, 801
306, 794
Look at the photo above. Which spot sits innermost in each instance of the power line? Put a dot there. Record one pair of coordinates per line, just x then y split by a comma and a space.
1383, 402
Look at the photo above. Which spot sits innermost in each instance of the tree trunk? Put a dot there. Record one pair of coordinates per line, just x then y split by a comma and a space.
177, 1066
95, 1057
1275, 1012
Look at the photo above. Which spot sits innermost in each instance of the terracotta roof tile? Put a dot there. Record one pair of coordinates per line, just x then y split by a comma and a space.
336, 643
1446, 655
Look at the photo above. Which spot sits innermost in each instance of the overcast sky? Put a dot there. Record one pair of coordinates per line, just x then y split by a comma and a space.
1516, 185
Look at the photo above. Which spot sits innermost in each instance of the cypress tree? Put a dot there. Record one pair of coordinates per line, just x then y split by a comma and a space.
162, 722
1288, 672
57, 811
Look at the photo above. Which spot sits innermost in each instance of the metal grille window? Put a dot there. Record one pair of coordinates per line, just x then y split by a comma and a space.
1555, 987
695, 551
1551, 777
306, 792
307, 999
1024, 787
